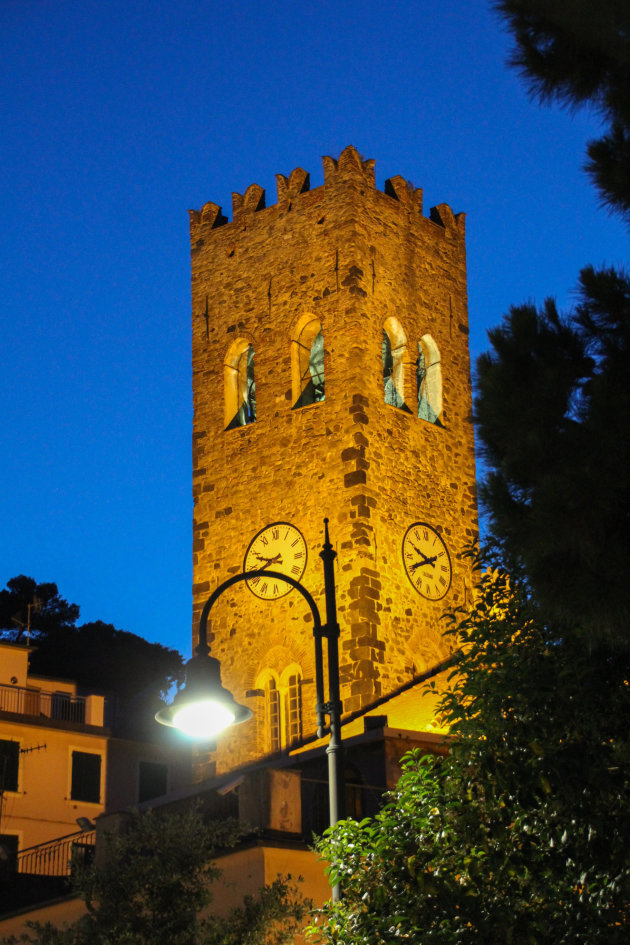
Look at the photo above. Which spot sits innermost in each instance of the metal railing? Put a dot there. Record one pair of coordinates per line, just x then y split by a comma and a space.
58, 857
60, 706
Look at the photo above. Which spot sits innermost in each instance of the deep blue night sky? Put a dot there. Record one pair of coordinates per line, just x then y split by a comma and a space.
117, 117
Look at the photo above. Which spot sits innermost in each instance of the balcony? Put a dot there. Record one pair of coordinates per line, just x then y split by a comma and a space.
57, 706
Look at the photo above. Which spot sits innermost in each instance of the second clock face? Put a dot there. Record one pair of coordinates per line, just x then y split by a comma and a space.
277, 547
427, 561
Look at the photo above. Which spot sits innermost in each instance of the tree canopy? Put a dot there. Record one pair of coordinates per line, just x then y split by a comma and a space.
48, 610
96, 655
552, 405
553, 418
521, 834
577, 52
155, 885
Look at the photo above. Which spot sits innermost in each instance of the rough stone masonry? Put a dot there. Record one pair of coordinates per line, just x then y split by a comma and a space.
352, 257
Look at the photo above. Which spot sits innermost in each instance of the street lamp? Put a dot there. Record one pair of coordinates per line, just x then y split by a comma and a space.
203, 708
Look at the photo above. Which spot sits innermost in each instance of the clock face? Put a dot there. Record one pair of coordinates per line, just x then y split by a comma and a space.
277, 547
427, 561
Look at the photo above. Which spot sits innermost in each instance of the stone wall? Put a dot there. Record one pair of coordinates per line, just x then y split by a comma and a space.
351, 256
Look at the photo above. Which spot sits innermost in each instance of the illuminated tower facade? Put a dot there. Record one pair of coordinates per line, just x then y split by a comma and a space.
331, 377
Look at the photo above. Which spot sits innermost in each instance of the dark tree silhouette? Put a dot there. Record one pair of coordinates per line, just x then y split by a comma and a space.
553, 414
577, 52
132, 671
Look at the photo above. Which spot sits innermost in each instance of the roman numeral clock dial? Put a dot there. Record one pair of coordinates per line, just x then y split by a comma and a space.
277, 547
427, 561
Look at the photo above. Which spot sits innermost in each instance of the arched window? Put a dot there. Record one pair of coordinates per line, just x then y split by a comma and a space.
293, 707
240, 385
308, 363
272, 715
283, 707
429, 381
394, 347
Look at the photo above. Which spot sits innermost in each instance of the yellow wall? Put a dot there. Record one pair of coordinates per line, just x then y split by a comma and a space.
13, 664
42, 809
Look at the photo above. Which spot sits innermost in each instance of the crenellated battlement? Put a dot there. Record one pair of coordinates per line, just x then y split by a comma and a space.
350, 165
349, 168
402, 190
298, 182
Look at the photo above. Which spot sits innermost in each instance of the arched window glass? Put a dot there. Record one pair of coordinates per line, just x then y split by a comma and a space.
272, 715
394, 346
293, 708
283, 707
240, 390
429, 381
308, 365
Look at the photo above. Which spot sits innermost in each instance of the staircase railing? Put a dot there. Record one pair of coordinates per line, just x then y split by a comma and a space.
58, 857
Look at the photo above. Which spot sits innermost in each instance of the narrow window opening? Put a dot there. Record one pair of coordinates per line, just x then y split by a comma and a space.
308, 357
293, 706
429, 381
393, 351
272, 715
283, 707
241, 389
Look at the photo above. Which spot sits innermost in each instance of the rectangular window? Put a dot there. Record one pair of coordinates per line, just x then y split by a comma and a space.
86, 777
152, 780
8, 861
9, 765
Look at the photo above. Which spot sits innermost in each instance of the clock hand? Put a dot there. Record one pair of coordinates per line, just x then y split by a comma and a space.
277, 559
426, 560
421, 564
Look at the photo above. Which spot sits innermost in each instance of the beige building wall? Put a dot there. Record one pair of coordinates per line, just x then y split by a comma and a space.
244, 873
355, 258
43, 808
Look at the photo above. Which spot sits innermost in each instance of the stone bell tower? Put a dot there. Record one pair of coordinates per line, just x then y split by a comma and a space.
331, 377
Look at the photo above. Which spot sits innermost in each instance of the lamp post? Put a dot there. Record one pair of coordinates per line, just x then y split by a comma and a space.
203, 708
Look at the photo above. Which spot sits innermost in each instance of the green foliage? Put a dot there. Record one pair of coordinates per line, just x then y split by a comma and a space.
553, 413
578, 52
156, 878
521, 834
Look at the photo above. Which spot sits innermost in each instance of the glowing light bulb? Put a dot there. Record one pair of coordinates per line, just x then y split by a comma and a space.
203, 719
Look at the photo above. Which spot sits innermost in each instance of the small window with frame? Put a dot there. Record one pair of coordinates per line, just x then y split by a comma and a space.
152, 780
9, 765
86, 777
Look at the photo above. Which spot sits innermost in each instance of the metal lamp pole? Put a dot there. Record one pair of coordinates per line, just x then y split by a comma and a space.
203, 672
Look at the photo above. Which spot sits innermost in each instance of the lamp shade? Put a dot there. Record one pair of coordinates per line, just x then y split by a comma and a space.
203, 708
